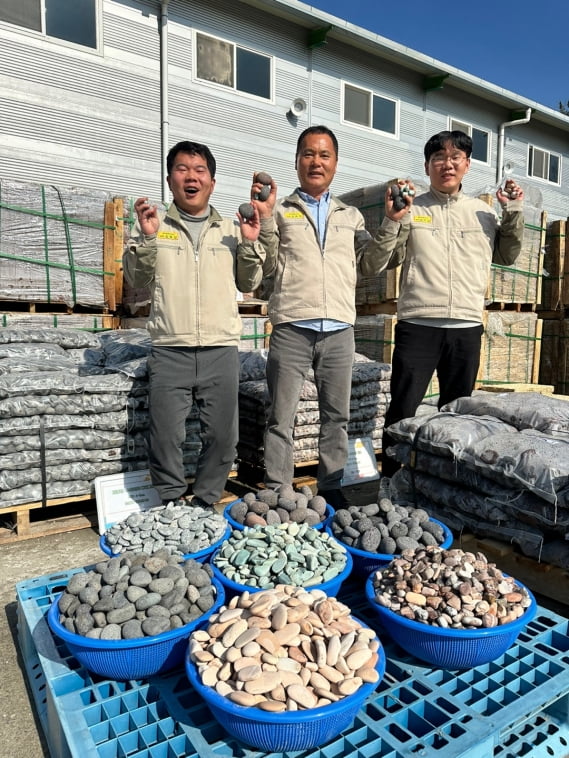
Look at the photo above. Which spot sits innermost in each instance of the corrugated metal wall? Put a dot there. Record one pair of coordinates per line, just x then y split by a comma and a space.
71, 116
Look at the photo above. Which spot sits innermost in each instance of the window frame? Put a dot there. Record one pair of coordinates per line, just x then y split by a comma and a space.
373, 94
42, 34
226, 87
548, 153
472, 127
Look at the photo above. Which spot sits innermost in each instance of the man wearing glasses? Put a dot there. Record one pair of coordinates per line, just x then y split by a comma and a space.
446, 242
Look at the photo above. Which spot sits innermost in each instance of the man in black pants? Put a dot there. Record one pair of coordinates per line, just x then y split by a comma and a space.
446, 242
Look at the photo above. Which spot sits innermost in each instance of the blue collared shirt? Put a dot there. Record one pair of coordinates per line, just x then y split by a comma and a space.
319, 212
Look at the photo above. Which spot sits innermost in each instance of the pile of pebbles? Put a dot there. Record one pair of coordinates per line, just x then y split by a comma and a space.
294, 554
136, 595
179, 529
385, 528
285, 649
269, 507
452, 589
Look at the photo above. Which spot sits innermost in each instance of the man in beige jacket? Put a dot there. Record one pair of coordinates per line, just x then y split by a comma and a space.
315, 246
446, 242
193, 259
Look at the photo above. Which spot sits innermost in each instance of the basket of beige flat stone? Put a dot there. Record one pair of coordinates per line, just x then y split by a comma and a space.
285, 669
450, 608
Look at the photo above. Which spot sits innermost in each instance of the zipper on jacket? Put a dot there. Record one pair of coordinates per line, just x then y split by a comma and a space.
448, 251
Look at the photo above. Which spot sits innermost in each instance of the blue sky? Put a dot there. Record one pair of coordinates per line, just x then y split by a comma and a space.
519, 45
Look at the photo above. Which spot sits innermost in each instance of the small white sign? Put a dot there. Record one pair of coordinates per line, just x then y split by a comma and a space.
119, 495
361, 465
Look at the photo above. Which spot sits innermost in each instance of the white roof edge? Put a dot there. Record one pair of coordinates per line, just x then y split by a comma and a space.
306, 15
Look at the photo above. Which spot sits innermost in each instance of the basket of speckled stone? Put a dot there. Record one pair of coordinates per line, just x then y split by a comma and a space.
130, 617
450, 608
184, 530
268, 507
285, 669
261, 557
374, 533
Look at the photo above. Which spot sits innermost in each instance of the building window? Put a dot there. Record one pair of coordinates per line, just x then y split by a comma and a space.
544, 165
232, 66
480, 139
363, 107
70, 20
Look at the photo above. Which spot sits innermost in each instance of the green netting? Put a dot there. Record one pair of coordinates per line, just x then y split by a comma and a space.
51, 244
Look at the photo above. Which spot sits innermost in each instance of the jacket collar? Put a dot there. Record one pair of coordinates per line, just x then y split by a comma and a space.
443, 197
294, 197
173, 214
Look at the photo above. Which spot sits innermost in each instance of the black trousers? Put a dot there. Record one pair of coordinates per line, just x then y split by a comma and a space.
420, 350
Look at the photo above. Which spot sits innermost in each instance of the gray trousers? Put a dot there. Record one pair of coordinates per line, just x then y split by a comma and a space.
292, 352
178, 376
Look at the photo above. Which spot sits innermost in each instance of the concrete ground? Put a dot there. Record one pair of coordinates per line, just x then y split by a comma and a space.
21, 734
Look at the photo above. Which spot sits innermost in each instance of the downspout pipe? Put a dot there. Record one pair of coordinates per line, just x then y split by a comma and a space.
164, 107
501, 138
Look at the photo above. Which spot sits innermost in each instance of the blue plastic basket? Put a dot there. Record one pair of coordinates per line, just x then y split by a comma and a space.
201, 556
290, 730
131, 659
331, 588
366, 562
449, 648
236, 525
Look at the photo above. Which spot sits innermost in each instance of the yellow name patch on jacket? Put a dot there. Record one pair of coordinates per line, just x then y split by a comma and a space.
168, 236
423, 219
293, 214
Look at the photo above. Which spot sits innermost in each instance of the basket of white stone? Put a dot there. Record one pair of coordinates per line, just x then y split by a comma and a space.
285, 669
184, 530
375, 533
450, 608
130, 617
261, 557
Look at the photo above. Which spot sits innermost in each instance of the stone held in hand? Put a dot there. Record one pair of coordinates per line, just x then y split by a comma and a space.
247, 211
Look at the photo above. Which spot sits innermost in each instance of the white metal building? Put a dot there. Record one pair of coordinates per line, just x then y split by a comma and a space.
93, 92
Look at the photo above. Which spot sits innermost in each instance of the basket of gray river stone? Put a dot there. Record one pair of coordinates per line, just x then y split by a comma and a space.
130, 617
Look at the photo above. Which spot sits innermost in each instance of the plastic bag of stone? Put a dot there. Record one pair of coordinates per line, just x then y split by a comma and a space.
252, 365
524, 410
123, 345
65, 338
447, 434
528, 458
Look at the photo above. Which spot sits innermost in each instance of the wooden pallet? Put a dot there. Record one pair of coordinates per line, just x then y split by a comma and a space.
517, 307
253, 307
59, 515
541, 389
389, 307
63, 514
542, 578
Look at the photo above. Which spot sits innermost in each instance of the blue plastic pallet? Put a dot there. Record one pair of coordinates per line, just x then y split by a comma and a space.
514, 707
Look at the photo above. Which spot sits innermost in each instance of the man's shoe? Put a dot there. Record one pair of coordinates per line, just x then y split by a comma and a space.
197, 501
335, 498
181, 500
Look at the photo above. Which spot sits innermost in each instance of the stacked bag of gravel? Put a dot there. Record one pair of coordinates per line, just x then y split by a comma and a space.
496, 464
73, 406
369, 398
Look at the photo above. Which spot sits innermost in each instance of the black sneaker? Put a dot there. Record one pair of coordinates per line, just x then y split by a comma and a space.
195, 500
335, 498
